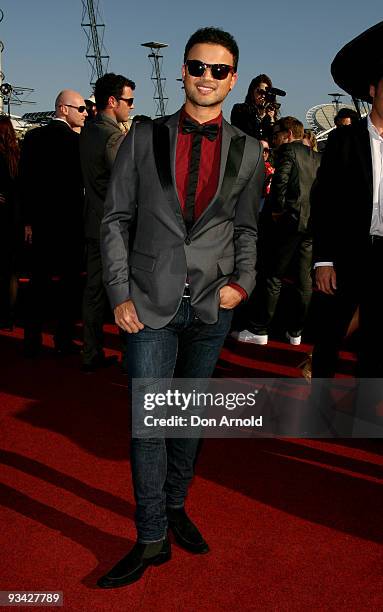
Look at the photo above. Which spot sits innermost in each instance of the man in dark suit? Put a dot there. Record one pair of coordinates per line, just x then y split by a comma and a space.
99, 143
192, 184
348, 236
288, 239
52, 196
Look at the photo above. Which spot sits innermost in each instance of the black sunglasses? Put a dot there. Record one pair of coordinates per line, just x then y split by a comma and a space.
80, 109
196, 68
129, 101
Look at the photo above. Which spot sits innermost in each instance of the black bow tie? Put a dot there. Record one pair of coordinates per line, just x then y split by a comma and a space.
209, 130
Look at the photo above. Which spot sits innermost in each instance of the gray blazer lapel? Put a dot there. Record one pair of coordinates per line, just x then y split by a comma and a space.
233, 146
226, 140
164, 148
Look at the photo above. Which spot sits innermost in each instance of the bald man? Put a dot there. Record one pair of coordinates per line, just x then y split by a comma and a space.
52, 203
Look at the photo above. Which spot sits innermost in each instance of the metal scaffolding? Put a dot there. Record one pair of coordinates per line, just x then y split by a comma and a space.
94, 30
159, 81
11, 94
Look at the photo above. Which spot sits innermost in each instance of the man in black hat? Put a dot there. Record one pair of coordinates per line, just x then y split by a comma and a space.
348, 231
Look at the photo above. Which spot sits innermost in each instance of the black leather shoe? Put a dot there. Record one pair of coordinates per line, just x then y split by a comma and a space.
185, 532
131, 567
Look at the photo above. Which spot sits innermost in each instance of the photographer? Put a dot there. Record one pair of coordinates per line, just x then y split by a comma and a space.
257, 114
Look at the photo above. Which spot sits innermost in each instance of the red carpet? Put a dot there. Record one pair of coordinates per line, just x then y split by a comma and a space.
292, 524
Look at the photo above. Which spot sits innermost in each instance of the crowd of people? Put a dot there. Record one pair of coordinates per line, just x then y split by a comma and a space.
54, 193
177, 218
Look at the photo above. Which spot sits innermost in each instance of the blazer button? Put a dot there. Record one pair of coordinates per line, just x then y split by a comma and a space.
187, 240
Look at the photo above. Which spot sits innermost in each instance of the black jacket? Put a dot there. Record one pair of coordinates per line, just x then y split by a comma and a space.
244, 117
52, 193
99, 142
342, 199
296, 167
9, 215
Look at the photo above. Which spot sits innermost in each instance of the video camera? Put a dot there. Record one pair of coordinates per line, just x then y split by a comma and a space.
271, 94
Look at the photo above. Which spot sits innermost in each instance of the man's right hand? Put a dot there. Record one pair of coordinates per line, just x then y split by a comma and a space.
125, 316
325, 278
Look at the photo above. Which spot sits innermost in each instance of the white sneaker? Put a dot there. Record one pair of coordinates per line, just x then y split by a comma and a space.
295, 340
246, 336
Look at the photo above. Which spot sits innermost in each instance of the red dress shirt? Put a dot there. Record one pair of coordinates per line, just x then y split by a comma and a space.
208, 176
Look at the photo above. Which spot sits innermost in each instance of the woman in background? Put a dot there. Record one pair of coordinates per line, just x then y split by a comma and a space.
256, 115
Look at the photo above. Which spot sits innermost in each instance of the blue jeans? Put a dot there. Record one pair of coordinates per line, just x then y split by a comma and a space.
162, 470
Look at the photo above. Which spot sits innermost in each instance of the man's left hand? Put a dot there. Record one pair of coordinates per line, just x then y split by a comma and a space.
229, 297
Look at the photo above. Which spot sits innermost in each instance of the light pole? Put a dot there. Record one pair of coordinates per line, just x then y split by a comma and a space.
156, 77
336, 100
94, 30
5, 94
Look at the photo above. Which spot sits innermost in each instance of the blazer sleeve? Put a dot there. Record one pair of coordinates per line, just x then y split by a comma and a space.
246, 226
283, 169
324, 201
119, 215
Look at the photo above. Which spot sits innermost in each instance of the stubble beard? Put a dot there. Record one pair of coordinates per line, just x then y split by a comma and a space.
199, 100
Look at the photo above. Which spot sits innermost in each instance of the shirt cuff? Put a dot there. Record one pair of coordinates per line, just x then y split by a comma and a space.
239, 289
319, 264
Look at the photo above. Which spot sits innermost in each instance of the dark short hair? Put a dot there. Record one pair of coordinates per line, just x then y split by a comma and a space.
110, 84
261, 78
346, 113
214, 36
291, 123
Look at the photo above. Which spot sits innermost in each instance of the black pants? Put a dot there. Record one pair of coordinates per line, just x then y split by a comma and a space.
8, 289
52, 300
359, 289
286, 251
94, 303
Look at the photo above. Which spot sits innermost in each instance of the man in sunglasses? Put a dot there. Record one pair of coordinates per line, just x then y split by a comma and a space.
99, 143
190, 183
52, 202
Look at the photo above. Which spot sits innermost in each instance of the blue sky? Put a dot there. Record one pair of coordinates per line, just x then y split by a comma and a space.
294, 42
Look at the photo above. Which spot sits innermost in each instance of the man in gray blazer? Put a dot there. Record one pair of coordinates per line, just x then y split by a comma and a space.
99, 143
191, 183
